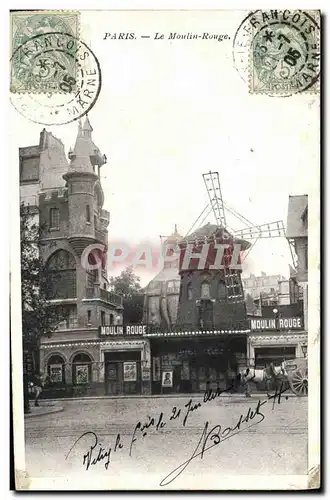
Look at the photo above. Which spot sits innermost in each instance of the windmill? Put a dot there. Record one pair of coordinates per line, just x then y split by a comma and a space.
250, 231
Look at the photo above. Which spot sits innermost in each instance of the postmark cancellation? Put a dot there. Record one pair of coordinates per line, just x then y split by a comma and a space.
283, 49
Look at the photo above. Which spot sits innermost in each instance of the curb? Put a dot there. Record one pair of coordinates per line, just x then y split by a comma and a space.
48, 411
163, 396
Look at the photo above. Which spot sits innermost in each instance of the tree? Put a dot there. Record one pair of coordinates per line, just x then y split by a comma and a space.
39, 318
127, 284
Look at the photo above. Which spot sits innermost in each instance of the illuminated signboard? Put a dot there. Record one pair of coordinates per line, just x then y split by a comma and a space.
276, 324
106, 331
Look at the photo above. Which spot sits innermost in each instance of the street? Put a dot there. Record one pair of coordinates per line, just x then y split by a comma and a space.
147, 443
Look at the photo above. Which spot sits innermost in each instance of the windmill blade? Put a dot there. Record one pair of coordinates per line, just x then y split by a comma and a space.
270, 230
238, 216
198, 218
212, 184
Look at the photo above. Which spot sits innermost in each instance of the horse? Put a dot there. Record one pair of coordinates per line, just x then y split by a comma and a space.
266, 375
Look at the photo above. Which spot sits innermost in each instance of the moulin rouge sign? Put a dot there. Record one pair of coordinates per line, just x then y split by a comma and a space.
106, 331
276, 324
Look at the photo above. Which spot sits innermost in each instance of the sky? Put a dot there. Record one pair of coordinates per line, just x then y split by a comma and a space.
169, 111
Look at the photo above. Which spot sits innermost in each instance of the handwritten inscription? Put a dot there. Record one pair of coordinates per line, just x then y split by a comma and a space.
96, 453
211, 436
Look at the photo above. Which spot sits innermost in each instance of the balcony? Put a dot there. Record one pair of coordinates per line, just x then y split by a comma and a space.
101, 294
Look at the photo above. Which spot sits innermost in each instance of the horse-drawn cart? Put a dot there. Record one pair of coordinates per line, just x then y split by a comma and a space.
293, 372
297, 375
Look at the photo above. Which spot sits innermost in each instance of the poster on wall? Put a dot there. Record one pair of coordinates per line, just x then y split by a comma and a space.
145, 373
82, 374
56, 373
167, 379
130, 372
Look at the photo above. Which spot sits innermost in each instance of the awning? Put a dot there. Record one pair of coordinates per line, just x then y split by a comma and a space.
197, 333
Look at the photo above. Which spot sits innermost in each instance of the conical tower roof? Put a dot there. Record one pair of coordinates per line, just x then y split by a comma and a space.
84, 152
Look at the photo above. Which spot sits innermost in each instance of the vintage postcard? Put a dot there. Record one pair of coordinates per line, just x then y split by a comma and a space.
165, 173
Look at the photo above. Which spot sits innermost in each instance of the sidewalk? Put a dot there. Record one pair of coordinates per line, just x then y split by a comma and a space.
45, 408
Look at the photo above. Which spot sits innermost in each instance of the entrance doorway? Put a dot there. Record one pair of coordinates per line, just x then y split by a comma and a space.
122, 374
265, 355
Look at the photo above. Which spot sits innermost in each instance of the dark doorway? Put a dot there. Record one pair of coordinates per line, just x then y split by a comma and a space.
122, 372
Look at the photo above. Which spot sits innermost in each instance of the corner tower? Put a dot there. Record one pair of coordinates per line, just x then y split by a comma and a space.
88, 222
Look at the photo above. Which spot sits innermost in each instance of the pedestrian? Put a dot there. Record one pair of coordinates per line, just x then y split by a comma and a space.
39, 382
245, 382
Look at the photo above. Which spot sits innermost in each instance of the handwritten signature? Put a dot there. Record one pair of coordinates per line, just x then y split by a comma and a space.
96, 452
210, 437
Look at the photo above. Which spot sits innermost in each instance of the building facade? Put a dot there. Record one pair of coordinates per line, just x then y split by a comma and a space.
207, 343
68, 200
297, 235
161, 295
266, 287
281, 332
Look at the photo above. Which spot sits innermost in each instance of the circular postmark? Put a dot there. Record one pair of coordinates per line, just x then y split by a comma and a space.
55, 78
278, 52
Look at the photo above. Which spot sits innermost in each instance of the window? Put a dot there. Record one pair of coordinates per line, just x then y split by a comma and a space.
105, 286
95, 221
102, 318
88, 213
61, 276
54, 218
189, 291
68, 316
30, 169
89, 317
111, 319
205, 290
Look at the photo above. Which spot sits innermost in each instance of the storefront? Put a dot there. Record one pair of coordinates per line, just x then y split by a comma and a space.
275, 341
118, 362
188, 362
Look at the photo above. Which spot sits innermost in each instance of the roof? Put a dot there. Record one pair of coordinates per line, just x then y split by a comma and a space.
297, 226
214, 231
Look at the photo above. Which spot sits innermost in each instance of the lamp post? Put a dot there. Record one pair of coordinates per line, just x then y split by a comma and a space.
276, 316
304, 349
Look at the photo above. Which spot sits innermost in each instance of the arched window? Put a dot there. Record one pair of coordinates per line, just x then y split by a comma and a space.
81, 369
55, 367
61, 276
92, 274
205, 290
189, 291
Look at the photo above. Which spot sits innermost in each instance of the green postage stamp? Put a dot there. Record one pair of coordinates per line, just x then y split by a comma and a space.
43, 49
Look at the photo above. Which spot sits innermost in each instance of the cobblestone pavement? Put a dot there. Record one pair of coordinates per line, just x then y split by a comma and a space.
267, 439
